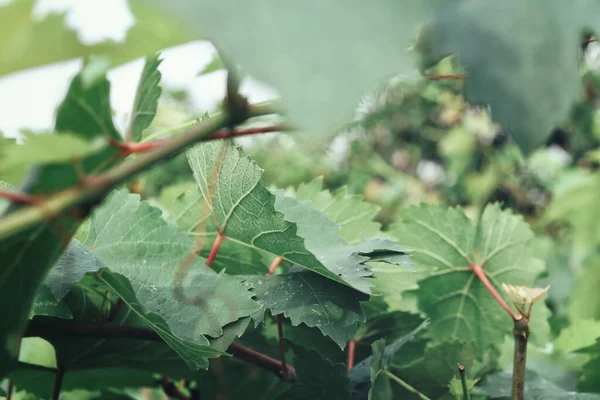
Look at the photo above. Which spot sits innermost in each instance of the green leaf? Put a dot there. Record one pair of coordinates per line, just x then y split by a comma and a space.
362, 374
318, 378
447, 245
311, 53
380, 383
42, 148
184, 204
27, 42
584, 302
581, 333
504, 47
570, 202
536, 388
91, 304
86, 109
354, 216
307, 298
146, 98
247, 212
27, 257
144, 253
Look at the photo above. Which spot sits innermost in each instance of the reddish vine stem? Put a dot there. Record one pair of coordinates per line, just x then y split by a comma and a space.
17, 197
284, 368
274, 265
128, 148
480, 273
215, 248
114, 310
351, 351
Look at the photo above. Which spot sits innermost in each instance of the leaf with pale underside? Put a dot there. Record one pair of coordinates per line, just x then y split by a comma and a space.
144, 253
318, 55
247, 212
447, 245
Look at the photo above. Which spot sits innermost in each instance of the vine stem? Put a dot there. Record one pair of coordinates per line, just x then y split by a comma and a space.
17, 197
521, 334
463, 381
480, 273
58, 380
144, 147
95, 188
112, 331
351, 351
274, 265
170, 389
406, 386
215, 248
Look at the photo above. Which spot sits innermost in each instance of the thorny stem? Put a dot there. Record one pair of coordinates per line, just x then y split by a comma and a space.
111, 331
351, 350
406, 386
274, 265
144, 147
284, 369
60, 374
215, 248
521, 334
480, 273
94, 188
463, 381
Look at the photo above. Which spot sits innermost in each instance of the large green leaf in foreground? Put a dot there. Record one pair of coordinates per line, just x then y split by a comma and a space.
247, 212
144, 254
522, 58
322, 56
447, 245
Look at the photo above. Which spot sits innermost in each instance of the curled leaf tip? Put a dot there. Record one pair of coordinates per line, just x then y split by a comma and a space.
523, 294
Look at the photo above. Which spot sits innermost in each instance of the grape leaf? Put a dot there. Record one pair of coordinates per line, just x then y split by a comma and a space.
590, 376
247, 212
504, 47
579, 334
447, 245
321, 239
144, 253
307, 298
146, 98
310, 53
184, 204
354, 216
88, 301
